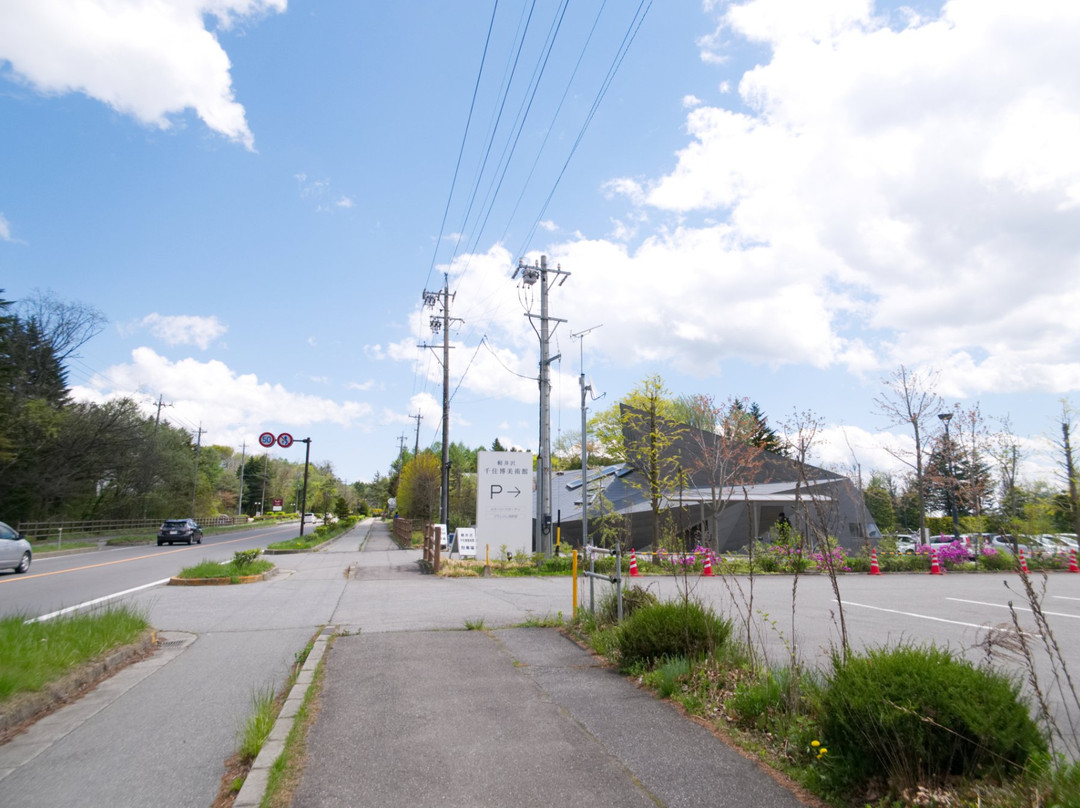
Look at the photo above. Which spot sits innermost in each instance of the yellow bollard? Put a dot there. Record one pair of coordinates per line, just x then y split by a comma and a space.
573, 575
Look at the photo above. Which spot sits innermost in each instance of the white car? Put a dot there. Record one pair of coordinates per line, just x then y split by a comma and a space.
309, 518
15, 552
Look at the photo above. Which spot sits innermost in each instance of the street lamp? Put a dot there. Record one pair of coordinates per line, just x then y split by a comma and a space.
951, 488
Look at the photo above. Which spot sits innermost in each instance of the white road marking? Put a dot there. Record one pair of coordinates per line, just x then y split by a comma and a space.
1005, 606
95, 601
922, 616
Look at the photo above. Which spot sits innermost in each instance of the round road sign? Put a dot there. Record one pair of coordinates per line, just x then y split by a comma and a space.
267, 439
284, 440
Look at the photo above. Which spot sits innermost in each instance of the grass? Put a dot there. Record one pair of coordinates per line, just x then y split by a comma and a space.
258, 725
474, 624
781, 716
320, 535
35, 654
233, 571
45, 548
286, 770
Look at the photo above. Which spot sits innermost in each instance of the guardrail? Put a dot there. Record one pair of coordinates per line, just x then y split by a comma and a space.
58, 530
592, 551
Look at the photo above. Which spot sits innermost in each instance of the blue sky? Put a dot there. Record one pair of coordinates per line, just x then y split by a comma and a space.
771, 198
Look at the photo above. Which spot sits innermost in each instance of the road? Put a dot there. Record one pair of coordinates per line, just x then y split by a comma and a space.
59, 582
163, 739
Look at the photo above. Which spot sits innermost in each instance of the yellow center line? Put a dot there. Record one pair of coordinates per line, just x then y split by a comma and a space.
12, 579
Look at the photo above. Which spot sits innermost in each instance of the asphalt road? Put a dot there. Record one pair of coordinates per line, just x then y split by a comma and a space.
161, 735
58, 582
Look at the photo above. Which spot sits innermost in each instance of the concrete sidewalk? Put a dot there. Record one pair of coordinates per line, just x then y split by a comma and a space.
518, 716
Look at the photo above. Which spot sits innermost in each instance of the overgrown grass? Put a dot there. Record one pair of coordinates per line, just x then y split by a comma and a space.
258, 725
231, 570
474, 624
286, 770
35, 654
886, 728
321, 534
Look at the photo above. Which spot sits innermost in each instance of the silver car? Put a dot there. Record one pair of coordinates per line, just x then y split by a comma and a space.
15, 552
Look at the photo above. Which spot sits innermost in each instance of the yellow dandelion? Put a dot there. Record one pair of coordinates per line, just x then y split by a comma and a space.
815, 744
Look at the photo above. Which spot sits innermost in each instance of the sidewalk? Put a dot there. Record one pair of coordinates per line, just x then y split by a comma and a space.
518, 716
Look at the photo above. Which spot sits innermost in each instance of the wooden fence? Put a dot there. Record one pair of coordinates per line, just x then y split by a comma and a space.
73, 530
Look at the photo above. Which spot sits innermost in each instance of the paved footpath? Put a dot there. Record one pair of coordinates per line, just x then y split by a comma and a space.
515, 716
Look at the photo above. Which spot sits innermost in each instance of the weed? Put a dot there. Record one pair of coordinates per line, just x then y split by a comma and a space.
474, 624
258, 724
36, 653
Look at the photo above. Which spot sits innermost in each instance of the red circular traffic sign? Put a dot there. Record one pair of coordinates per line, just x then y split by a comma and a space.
267, 439
284, 440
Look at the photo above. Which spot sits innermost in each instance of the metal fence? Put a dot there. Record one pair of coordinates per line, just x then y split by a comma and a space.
75, 530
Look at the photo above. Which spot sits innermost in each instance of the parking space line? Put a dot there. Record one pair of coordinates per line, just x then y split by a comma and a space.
923, 616
1006, 606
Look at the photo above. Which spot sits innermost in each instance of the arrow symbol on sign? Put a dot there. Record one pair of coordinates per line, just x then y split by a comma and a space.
515, 492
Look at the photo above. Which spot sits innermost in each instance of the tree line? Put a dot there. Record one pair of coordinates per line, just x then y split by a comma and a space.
62, 459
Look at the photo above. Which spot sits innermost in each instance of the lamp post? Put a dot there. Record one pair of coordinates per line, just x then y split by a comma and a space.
950, 489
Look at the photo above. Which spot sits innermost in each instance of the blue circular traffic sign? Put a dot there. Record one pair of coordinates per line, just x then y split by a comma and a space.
284, 440
267, 439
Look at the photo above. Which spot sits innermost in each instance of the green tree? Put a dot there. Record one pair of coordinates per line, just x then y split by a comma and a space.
649, 441
879, 503
418, 489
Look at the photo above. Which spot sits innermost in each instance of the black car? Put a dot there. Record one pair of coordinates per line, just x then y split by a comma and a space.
184, 530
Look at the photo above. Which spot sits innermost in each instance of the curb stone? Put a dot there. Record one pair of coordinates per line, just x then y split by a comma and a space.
32, 706
255, 784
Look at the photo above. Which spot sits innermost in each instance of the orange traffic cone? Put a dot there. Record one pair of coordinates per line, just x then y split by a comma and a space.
935, 567
1072, 562
1023, 562
707, 572
874, 568
633, 564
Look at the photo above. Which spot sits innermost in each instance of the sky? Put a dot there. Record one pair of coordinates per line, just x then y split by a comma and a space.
771, 199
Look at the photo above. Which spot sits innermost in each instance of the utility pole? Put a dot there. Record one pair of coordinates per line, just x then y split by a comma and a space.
160, 403
240, 499
195, 483
585, 388
303, 503
416, 450
529, 276
442, 323
401, 446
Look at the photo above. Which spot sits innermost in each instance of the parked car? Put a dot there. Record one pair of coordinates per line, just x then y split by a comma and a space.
1004, 544
174, 530
309, 518
15, 552
942, 542
906, 545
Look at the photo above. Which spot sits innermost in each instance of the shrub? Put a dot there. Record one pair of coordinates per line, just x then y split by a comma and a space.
634, 598
918, 715
245, 558
668, 630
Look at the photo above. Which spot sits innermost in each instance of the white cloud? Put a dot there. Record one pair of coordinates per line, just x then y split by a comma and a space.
150, 60
321, 195
5, 228
901, 189
184, 329
231, 406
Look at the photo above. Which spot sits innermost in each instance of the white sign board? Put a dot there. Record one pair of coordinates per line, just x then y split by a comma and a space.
465, 539
504, 501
